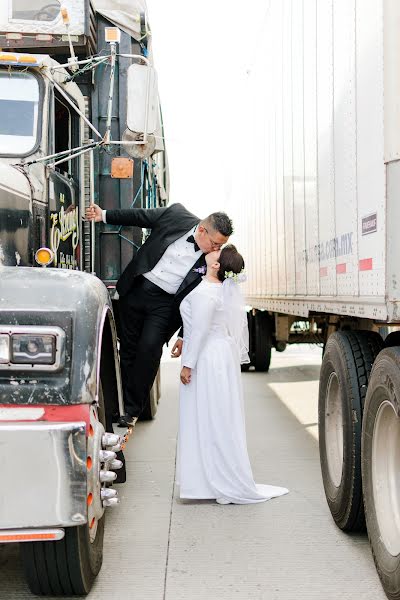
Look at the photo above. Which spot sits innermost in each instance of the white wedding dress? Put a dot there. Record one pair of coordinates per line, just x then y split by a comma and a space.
213, 462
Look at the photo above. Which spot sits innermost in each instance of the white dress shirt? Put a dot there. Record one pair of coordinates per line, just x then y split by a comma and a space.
175, 263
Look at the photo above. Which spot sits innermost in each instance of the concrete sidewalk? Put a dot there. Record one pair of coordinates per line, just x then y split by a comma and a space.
160, 548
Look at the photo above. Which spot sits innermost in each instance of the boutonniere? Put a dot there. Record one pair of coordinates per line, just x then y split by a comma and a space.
201, 270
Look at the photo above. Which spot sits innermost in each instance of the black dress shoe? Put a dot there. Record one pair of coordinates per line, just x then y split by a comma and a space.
127, 421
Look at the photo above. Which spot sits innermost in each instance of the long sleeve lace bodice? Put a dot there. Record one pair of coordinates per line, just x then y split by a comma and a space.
202, 317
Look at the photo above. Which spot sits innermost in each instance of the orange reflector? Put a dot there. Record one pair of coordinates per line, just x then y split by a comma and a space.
8, 57
65, 16
89, 463
112, 34
91, 431
90, 499
27, 537
92, 522
27, 59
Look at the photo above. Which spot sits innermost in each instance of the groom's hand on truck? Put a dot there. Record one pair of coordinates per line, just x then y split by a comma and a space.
94, 213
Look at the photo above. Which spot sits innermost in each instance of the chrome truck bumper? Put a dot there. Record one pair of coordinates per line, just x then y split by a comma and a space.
43, 472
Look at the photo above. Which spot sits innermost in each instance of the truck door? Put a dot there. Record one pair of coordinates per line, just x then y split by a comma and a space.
64, 187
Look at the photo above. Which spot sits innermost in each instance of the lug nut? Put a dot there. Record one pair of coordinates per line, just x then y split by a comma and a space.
111, 439
107, 493
116, 464
107, 476
107, 455
111, 502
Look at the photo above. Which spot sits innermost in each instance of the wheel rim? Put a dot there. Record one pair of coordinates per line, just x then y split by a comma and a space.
385, 476
334, 430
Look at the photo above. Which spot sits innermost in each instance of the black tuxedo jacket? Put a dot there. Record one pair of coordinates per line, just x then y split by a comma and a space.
167, 225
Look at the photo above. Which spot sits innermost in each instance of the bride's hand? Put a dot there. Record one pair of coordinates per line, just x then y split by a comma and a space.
186, 375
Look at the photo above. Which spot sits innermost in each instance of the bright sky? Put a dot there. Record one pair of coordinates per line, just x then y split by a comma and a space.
202, 52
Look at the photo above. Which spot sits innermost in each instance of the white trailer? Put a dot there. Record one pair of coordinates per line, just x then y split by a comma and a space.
319, 230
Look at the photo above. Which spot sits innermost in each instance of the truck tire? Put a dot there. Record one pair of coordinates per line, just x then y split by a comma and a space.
262, 342
345, 371
150, 410
381, 466
69, 566
393, 339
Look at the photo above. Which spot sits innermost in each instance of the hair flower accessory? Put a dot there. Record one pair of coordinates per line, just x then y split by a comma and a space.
202, 270
236, 277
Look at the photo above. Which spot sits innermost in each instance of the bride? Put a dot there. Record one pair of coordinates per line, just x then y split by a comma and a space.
213, 462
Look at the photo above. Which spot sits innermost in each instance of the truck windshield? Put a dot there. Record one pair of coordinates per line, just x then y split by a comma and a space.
39, 10
19, 104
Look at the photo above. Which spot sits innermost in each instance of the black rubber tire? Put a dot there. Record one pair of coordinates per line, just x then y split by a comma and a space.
70, 566
350, 355
384, 387
245, 367
64, 568
150, 410
262, 341
393, 339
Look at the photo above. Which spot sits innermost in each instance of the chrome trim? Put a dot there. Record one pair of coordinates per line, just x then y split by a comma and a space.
58, 535
105, 315
36, 330
43, 467
107, 476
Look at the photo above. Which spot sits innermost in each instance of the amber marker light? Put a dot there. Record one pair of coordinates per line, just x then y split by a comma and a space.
27, 59
89, 463
8, 58
112, 35
44, 256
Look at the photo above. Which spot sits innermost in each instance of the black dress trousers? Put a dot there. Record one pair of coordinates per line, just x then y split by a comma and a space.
145, 313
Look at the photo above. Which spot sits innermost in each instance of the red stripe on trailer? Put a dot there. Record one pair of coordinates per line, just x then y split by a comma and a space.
365, 264
341, 268
323, 272
59, 414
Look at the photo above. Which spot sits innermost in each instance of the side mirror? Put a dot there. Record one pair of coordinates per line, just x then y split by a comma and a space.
142, 100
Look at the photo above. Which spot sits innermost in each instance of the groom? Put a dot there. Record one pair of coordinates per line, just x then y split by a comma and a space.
163, 272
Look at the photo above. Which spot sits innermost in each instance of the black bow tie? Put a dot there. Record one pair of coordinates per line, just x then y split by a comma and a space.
193, 241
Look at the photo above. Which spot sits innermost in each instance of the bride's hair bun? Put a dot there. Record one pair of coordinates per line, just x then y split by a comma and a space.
230, 262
